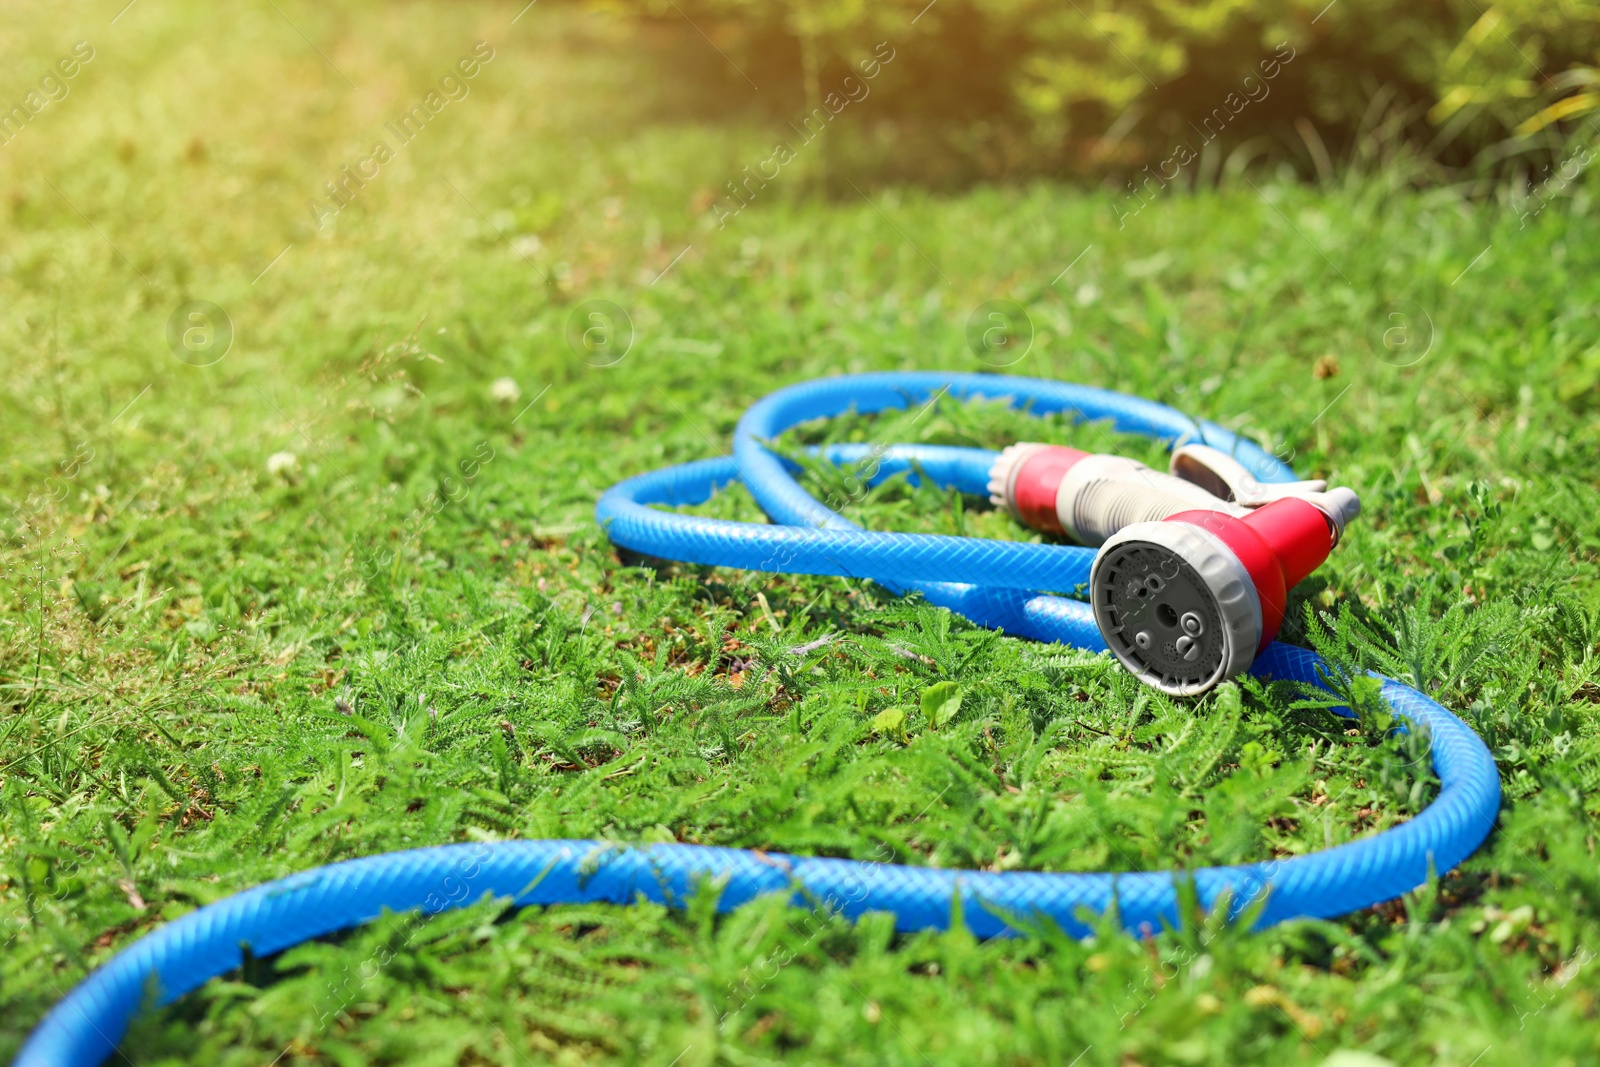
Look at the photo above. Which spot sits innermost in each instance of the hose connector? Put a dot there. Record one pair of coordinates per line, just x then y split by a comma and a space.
1089, 496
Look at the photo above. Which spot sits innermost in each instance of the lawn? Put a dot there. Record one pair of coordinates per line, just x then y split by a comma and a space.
333, 587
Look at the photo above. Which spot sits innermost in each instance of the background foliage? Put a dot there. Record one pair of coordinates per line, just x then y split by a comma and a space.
995, 88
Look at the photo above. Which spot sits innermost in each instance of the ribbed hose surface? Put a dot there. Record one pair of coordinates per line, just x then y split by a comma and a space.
993, 583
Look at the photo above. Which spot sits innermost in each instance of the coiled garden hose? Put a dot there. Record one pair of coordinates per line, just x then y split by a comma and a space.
990, 582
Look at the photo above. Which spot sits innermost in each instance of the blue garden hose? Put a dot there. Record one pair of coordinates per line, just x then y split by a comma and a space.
990, 582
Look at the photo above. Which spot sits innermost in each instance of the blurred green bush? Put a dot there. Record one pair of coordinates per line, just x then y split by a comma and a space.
988, 88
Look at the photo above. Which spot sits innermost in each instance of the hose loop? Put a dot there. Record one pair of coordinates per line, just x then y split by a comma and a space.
998, 584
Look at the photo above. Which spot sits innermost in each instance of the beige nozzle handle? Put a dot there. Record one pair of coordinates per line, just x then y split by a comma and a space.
1101, 494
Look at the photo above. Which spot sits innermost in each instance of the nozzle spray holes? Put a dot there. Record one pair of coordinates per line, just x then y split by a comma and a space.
1191, 625
1150, 583
1186, 646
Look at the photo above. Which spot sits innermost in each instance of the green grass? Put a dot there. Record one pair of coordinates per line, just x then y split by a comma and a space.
219, 671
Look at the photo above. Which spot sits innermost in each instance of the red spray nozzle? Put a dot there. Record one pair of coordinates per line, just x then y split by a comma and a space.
1279, 544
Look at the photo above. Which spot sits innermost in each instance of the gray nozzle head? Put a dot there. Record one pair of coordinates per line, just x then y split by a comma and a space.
1175, 606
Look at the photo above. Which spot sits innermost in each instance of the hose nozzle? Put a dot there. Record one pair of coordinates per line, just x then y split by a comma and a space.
1195, 566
